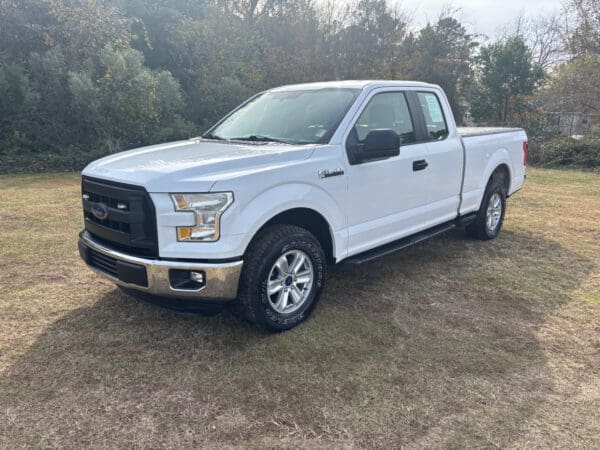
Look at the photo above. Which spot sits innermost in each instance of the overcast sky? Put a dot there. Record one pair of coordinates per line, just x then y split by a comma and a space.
482, 16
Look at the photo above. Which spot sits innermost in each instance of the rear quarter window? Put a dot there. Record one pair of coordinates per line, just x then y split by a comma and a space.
437, 127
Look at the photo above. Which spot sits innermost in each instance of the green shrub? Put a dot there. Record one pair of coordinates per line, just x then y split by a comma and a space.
17, 98
55, 119
16, 160
564, 151
125, 103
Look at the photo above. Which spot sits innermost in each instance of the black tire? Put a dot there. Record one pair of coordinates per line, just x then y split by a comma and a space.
253, 303
479, 229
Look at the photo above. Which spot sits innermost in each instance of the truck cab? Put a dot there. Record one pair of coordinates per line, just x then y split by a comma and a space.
293, 180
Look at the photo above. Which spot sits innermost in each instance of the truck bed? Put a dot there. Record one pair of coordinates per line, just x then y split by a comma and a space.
467, 132
484, 148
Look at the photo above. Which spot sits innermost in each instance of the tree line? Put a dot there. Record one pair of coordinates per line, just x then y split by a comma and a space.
83, 78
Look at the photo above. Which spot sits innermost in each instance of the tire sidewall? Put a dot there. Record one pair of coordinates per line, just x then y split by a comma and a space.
494, 188
264, 313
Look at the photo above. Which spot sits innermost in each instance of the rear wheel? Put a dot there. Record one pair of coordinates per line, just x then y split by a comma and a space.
490, 216
282, 279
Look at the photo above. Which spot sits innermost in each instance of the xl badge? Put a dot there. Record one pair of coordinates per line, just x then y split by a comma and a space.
330, 173
100, 211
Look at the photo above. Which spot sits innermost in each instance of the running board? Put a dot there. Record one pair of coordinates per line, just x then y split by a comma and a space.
465, 220
401, 244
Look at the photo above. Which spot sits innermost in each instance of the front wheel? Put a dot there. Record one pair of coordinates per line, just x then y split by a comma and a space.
282, 279
490, 216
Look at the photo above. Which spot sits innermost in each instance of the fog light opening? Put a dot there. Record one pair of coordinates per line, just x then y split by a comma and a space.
187, 280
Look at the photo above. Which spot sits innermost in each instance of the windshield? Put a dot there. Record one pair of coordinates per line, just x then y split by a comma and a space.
293, 117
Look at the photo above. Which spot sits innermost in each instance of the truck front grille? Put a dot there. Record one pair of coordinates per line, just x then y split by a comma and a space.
129, 224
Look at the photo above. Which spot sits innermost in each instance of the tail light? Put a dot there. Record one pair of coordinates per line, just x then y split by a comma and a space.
525, 152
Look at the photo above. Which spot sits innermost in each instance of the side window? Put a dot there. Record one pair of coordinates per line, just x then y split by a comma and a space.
388, 110
437, 128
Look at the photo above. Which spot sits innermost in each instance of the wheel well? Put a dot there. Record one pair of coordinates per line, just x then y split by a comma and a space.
502, 175
309, 220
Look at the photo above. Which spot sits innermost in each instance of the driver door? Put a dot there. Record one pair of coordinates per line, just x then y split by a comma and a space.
387, 199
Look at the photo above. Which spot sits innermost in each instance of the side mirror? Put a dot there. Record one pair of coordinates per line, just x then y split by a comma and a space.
379, 144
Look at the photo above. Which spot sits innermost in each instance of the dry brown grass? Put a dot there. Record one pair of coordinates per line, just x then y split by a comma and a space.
450, 344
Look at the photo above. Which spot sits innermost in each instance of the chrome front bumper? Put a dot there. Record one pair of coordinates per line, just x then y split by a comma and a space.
153, 276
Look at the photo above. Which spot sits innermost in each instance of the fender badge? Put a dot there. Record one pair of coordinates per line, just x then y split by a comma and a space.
330, 173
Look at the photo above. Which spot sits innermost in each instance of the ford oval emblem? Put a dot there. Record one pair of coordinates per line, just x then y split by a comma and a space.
100, 211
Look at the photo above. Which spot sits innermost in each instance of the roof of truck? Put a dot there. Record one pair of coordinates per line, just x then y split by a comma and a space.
353, 84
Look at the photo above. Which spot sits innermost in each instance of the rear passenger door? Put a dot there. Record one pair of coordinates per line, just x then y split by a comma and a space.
444, 155
387, 199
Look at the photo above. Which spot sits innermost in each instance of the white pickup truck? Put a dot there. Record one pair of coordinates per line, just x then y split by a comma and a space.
294, 179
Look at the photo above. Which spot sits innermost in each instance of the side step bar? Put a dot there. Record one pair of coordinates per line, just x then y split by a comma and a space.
406, 242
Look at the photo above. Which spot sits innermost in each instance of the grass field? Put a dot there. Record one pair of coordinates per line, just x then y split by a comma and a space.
452, 343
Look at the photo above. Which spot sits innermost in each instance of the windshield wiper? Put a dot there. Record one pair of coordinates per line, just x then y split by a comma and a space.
213, 136
259, 138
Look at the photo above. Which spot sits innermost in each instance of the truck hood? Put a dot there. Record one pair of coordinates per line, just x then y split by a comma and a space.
193, 165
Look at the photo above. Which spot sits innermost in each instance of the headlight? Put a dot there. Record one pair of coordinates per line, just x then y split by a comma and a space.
208, 209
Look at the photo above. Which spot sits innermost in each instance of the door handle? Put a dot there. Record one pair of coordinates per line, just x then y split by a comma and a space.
420, 165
